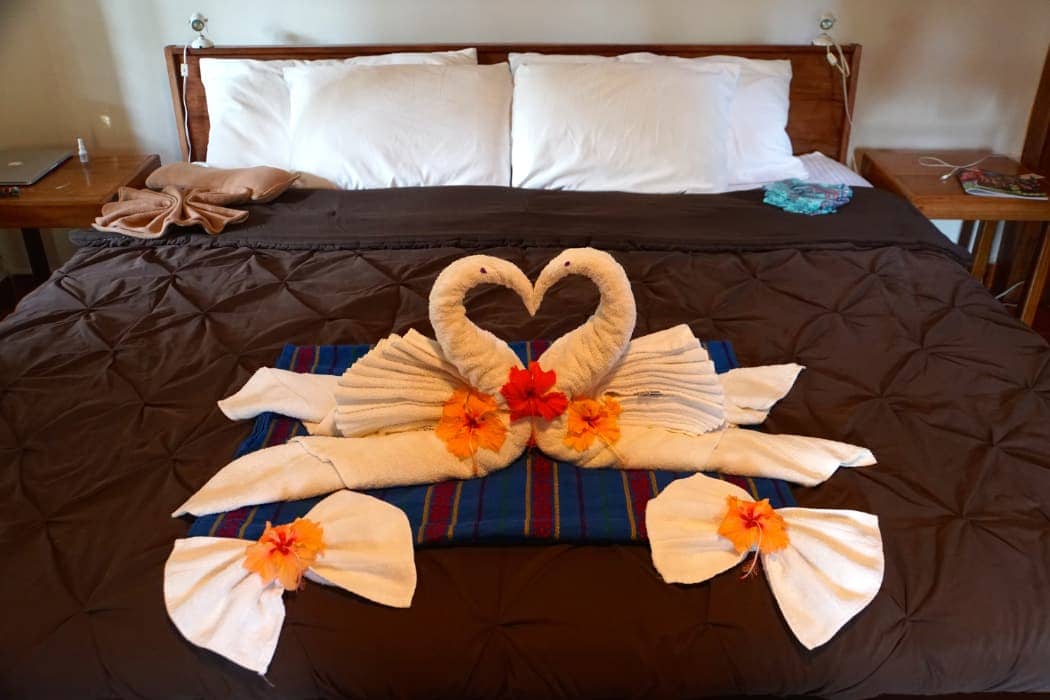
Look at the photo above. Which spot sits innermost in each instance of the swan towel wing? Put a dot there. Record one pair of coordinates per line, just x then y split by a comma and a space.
751, 392
831, 568
667, 379
307, 397
400, 385
218, 604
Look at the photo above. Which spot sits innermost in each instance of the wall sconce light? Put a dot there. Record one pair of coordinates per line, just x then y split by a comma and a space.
198, 23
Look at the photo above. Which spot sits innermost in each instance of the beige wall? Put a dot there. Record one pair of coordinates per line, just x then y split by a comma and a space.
934, 72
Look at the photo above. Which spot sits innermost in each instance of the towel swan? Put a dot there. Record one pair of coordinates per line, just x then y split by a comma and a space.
375, 425
671, 408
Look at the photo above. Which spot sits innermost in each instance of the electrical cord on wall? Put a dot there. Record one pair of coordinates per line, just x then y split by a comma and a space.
198, 23
843, 67
184, 69
837, 60
839, 63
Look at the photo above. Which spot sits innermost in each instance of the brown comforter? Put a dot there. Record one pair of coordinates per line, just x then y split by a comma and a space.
109, 375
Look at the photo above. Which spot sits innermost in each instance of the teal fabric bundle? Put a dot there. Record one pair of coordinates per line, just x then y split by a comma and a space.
800, 197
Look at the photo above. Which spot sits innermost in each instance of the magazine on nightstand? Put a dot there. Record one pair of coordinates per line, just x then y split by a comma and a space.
988, 183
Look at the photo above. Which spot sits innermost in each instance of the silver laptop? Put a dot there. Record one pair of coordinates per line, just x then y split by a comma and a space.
24, 166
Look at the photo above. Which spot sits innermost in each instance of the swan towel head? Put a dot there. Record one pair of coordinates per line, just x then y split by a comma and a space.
824, 566
224, 595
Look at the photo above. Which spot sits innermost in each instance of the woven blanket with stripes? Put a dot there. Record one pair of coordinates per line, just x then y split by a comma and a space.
532, 500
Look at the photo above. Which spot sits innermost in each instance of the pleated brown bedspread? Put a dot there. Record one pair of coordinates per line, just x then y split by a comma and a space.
109, 375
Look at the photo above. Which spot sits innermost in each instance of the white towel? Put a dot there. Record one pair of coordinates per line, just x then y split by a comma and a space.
316, 465
401, 384
586, 354
308, 397
830, 570
482, 359
751, 392
666, 379
802, 460
219, 605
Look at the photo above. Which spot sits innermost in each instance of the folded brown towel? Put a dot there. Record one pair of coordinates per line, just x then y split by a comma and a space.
260, 184
147, 214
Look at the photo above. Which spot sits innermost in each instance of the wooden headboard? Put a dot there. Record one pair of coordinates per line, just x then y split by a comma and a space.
817, 121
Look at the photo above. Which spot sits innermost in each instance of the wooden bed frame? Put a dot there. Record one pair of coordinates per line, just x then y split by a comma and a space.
817, 120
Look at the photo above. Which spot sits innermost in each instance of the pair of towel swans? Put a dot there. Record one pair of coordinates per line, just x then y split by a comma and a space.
379, 423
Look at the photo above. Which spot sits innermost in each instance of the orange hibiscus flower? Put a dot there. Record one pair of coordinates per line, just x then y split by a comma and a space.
284, 552
469, 421
591, 419
528, 393
753, 525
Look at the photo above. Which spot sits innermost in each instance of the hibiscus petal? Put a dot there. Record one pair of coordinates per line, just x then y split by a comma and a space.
552, 405
542, 382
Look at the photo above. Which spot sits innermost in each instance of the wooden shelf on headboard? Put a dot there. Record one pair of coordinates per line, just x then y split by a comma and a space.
817, 120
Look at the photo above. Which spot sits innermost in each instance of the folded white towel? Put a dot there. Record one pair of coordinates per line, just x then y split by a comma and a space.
316, 465
308, 397
584, 355
831, 568
401, 384
482, 359
802, 460
751, 392
218, 604
666, 379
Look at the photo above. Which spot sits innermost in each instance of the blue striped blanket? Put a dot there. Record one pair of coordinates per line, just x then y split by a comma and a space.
532, 500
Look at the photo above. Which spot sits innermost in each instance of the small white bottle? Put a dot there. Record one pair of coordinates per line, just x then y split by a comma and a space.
82, 151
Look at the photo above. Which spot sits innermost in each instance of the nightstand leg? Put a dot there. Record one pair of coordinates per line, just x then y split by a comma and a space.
1035, 289
966, 233
983, 249
36, 253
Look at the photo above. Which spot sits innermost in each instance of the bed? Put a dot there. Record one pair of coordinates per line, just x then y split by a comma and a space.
109, 374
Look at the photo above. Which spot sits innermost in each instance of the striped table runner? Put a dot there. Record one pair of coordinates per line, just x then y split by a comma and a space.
533, 500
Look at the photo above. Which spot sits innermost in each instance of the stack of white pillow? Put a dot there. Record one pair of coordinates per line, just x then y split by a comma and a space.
636, 123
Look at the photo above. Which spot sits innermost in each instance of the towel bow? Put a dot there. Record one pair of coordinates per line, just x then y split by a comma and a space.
148, 214
219, 604
827, 571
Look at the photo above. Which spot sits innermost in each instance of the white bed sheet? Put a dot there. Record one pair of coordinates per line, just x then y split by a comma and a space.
819, 168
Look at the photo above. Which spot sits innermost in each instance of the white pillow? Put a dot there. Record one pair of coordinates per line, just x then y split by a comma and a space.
654, 127
401, 126
760, 149
248, 103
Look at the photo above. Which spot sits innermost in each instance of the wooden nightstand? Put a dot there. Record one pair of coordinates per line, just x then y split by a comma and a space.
899, 171
70, 196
